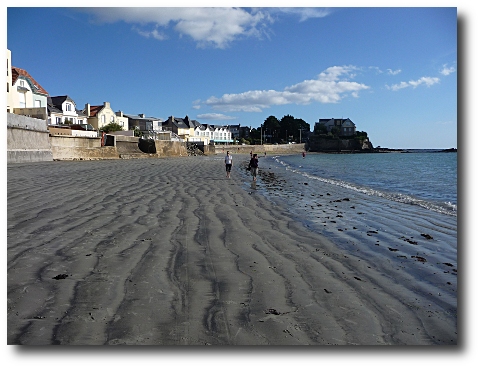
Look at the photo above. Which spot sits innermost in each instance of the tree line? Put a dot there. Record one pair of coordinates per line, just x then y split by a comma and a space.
287, 129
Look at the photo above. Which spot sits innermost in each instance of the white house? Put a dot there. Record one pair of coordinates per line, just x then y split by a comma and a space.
100, 115
221, 134
202, 133
62, 110
25, 96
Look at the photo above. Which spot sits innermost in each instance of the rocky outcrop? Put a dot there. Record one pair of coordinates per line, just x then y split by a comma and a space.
331, 144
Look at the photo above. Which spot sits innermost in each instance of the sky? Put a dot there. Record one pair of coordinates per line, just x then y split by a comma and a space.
392, 71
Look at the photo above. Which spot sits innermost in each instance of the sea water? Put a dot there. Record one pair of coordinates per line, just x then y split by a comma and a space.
427, 179
396, 211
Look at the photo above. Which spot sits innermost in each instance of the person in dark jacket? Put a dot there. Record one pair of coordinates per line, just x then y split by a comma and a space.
253, 166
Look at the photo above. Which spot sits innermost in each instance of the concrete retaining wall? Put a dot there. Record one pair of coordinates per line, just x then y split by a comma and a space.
166, 148
66, 147
209, 149
27, 139
261, 149
84, 148
127, 145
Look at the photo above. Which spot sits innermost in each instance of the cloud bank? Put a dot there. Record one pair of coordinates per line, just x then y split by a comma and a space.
215, 27
427, 81
330, 86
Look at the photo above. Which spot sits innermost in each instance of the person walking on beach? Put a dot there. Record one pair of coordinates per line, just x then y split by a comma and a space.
228, 163
253, 166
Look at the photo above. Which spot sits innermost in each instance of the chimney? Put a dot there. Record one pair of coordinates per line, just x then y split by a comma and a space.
87, 109
141, 115
106, 104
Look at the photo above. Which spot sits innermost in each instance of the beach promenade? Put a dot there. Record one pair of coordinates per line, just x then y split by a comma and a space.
170, 252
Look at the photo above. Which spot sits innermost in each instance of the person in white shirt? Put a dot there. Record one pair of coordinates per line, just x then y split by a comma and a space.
228, 163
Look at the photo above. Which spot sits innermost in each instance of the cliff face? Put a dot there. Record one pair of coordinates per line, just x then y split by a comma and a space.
323, 144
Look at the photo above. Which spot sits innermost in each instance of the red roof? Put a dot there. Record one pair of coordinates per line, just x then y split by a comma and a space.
95, 109
16, 72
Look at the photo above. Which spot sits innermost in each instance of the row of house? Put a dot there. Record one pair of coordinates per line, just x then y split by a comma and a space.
25, 96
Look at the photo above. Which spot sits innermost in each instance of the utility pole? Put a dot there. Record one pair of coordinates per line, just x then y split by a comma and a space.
300, 135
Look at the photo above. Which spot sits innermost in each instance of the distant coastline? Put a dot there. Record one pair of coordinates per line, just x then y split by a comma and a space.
414, 150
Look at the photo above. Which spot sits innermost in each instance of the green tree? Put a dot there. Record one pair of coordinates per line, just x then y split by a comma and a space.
290, 127
271, 127
255, 136
361, 134
111, 127
320, 129
334, 131
137, 132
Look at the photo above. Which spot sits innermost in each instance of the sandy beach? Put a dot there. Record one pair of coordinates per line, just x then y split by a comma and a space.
171, 252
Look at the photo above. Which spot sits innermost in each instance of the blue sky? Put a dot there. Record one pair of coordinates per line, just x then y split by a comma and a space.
392, 71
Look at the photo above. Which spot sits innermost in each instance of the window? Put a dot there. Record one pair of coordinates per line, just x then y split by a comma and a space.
102, 119
68, 107
21, 97
111, 118
22, 83
38, 103
59, 120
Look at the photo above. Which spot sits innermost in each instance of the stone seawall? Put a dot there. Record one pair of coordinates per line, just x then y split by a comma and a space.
168, 149
65, 147
127, 147
261, 149
27, 139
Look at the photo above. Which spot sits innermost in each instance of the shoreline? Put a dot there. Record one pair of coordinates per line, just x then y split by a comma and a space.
403, 241
170, 252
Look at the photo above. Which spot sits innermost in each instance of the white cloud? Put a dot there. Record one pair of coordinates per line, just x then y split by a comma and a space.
215, 116
331, 86
154, 34
214, 26
304, 13
376, 69
446, 70
207, 26
428, 81
394, 72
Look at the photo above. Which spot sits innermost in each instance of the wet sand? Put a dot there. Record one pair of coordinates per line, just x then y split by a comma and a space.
170, 252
